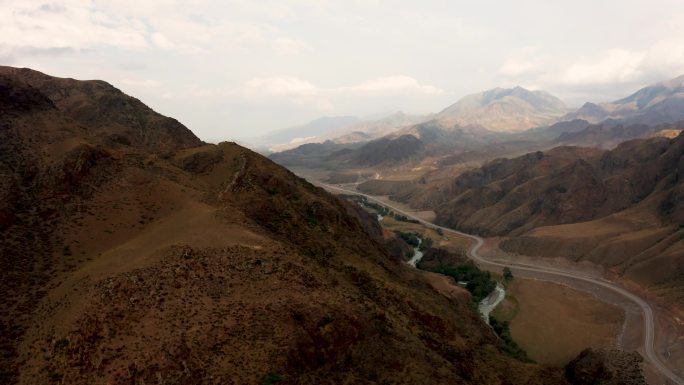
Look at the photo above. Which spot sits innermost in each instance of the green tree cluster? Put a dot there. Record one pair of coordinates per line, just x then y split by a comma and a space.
410, 238
507, 274
479, 283
508, 346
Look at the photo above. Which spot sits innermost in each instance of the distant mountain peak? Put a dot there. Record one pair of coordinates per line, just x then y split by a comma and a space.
504, 109
675, 83
658, 103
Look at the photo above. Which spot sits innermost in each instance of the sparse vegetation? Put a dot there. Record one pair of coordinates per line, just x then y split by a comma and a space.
426, 244
55, 377
378, 208
61, 343
271, 378
479, 283
415, 239
404, 218
411, 238
382, 210
328, 318
508, 346
363, 201
507, 274
311, 217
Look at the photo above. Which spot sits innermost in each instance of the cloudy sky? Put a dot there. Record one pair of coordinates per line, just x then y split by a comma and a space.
234, 69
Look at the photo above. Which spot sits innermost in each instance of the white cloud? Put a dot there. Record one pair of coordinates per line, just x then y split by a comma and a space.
280, 86
161, 41
269, 10
287, 46
604, 75
135, 25
141, 83
391, 84
74, 24
612, 66
194, 59
289, 86
665, 57
302, 92
287, 89
527, 60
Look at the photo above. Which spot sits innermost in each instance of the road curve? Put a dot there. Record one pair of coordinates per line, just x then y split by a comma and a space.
649, 323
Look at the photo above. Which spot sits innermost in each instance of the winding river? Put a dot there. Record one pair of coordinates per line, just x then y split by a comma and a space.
487, 305
417, 254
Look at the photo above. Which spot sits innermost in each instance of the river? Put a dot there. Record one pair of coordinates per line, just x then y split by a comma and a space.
417, 254
487, 305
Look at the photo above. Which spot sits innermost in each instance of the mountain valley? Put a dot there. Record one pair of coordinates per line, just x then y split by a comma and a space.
329, 192
134, 253
595, 192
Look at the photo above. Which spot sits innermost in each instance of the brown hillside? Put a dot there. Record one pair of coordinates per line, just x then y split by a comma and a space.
480, 188
108, 113
619, 208
132, 253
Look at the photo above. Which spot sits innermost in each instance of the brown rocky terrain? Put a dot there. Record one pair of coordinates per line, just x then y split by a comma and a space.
134, 253
609, 367
438, 189
618, 208
610, 134
385, 150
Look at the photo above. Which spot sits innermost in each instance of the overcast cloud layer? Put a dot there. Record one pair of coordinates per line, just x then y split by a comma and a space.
232, 69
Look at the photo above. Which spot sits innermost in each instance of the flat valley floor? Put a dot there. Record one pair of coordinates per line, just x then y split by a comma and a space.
554, 323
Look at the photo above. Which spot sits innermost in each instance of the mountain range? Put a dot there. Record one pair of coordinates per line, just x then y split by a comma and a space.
291, 137
656, 104
505, 121
497, 110
338, 129
620, 208
603, 190
132, 253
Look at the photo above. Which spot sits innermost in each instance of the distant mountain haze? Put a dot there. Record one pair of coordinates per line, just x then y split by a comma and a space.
313, 128
504, 110
340, 129
525, 119
499, 110
379, 127
475, 120
656, 104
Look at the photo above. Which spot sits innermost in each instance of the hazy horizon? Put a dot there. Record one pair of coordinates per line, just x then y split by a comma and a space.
238, 69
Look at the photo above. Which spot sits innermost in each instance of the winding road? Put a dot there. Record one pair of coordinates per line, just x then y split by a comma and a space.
648, 343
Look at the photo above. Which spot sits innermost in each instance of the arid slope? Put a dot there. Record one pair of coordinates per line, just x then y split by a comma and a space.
134, 253
619, 208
